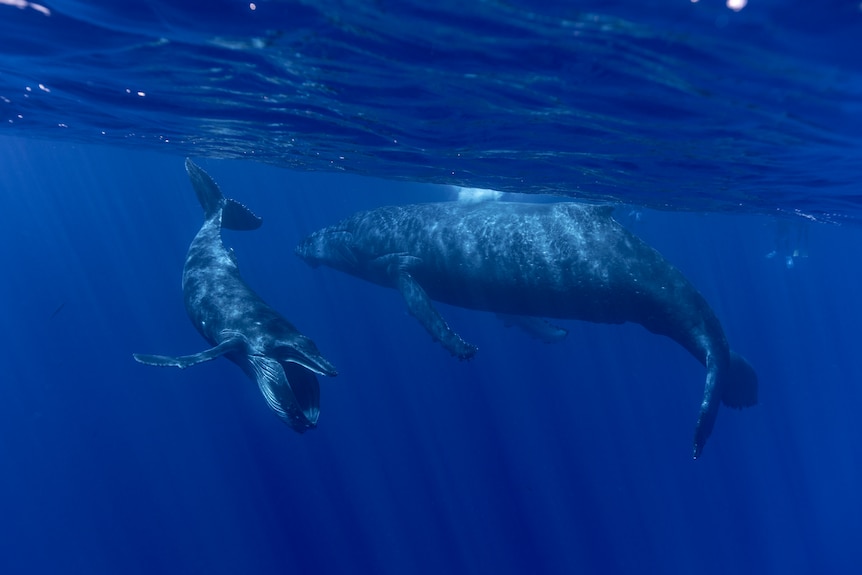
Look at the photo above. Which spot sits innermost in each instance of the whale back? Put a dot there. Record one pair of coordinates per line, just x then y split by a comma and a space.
554, 260
563, 260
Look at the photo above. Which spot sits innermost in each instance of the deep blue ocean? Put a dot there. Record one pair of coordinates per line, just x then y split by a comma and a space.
728, 138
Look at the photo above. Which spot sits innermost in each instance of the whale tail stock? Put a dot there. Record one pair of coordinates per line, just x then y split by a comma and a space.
738, 388
234, 215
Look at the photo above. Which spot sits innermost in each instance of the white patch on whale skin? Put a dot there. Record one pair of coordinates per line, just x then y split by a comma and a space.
475, 195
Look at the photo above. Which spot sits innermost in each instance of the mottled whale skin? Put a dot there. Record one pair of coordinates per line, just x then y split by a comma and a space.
560, 260
238, 323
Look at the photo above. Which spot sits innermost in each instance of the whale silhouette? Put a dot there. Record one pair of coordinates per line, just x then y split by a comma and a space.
561, 260
237, 322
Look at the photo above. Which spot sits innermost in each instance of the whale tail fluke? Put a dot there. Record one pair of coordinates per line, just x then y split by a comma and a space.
738, 385
235, 216
740, 389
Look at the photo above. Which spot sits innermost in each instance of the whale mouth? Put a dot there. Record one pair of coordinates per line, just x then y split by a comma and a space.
304, 253
306, 392
307, 251
297, 349
290, 390
315, 363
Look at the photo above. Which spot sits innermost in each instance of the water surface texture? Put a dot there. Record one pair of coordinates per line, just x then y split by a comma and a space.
671, 103
729, 139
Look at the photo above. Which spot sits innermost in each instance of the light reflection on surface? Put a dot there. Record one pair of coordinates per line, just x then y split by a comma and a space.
737, 5
24, 4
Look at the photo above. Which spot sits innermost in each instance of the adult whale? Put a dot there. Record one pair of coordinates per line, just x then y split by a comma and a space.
237, 322
561, 260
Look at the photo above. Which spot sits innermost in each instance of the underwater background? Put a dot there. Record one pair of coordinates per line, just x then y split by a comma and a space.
728, 137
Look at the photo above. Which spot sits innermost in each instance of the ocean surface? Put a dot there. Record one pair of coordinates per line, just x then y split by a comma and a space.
728, 136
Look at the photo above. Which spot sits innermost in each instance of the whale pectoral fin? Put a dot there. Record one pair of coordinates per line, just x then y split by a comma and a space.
737, 388
395, 263
708, 408
184, 361
708, 413
419, 305
537, 327
406, 262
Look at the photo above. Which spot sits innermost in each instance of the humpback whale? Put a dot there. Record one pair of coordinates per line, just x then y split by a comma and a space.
237, 322
562, 260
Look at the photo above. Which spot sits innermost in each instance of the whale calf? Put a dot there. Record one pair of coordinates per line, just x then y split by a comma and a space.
237, 322
561, 260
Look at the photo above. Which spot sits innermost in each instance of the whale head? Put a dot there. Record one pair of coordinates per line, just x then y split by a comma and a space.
285, 373
301, 350
331, 247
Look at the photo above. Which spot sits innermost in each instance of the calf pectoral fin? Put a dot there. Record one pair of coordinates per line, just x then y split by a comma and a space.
419, 305
537, 327
184, 361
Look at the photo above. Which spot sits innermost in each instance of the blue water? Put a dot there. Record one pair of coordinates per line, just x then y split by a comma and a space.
742, 128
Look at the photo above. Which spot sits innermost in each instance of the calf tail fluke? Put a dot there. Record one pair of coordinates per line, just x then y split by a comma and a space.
235, 216
208, 192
